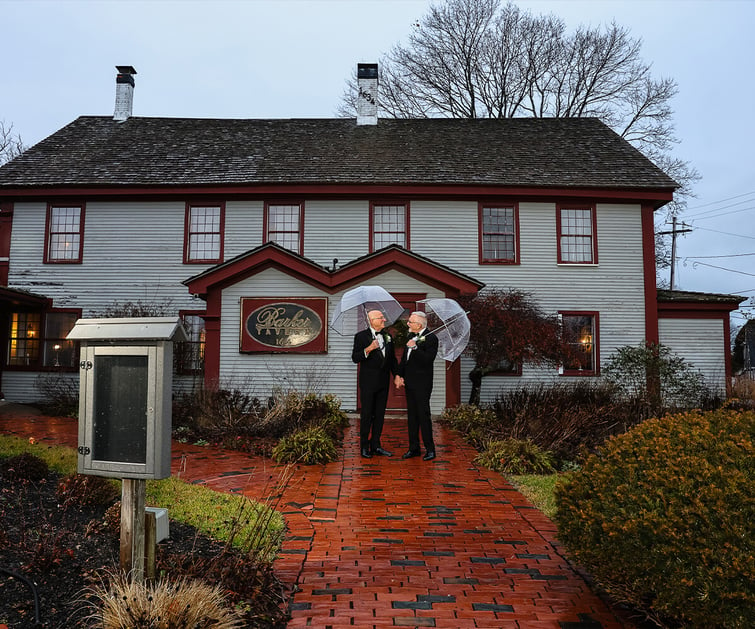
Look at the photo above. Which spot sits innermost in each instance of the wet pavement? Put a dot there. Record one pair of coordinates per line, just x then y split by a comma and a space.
387, 542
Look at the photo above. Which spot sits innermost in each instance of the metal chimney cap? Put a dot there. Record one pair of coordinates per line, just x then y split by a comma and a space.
367, 70
125, 69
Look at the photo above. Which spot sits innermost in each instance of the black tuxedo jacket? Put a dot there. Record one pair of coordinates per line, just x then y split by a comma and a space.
417, 369
374, 370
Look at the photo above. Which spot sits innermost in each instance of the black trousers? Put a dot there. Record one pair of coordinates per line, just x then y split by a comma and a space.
372, 417
418, 410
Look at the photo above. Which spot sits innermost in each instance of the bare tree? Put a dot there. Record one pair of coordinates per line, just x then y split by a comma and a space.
10, 144
482, 59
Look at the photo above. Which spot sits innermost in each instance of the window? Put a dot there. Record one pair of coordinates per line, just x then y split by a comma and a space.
498, 234
204, 233
65, 233
389, 226
283, 225
56, 350
29, 347
189, 355
506, 367
23, 342
576, 235
581, 336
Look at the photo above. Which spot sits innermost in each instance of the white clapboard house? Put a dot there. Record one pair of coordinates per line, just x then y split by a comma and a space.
248, 227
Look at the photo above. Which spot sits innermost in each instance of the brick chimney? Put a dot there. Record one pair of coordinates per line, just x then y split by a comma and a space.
124, 92
367, 83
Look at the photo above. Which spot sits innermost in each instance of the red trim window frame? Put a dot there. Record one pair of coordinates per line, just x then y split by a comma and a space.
189, 356
498, 226
577, 234
282, 227
580, 329
389, 224
64, 233
204, 230
35, 341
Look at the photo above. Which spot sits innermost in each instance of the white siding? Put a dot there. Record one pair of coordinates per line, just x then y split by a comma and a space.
701, 343
128, 256
133, 252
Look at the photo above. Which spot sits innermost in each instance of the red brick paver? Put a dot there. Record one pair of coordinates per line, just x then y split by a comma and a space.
386, 542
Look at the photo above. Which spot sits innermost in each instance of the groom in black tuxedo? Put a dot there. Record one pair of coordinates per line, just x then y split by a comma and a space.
374, 353
415, 372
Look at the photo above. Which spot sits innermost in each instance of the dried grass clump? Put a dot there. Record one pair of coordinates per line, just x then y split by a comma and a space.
183, 604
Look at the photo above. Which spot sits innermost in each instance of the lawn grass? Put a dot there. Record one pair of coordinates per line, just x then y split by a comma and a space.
539, 489
249, 525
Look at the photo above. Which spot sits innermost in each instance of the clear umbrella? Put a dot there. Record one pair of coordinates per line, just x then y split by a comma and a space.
450, 324
350, 315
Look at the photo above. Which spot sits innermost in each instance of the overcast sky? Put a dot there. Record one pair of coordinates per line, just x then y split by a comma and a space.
291, 59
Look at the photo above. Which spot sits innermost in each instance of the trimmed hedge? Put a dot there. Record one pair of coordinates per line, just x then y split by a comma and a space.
663, 518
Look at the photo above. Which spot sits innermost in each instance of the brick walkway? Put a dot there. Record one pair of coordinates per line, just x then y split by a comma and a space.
386, 542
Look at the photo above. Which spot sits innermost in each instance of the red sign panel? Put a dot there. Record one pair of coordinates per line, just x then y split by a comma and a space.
273, 324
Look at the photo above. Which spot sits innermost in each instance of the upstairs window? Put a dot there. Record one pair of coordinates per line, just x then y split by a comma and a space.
204, 233
64, 234
580, 331
389, 226
576, 235
283, 225
498, 234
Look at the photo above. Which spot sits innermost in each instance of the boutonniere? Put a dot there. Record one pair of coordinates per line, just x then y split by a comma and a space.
386, 337
419, 339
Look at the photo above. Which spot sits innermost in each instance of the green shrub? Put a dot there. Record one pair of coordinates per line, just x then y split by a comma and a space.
311, 446
663, 517
679, 386
515, 456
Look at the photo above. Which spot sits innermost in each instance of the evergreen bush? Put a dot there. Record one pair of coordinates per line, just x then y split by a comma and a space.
311, 446
663, 517
516, 456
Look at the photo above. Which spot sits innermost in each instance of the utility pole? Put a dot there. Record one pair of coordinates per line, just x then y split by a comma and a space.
674, 231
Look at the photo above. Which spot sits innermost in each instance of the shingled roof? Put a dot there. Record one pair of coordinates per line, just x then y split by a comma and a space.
530, 152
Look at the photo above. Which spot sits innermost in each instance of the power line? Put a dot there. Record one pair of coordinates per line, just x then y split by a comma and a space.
712, 266
700, 217
715, 231
738, 196
731, 255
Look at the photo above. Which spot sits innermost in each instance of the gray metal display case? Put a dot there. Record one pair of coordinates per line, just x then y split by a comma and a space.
126, 382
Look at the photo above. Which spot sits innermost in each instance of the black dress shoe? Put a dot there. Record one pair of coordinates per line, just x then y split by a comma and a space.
429, 456
381, 452
410, 454
366, 453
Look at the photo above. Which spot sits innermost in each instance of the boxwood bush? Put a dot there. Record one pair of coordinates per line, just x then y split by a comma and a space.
662, 517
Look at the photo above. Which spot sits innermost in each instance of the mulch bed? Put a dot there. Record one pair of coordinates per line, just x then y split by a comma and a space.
63, 550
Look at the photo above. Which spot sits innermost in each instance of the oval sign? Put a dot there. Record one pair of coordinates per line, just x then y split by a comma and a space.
283, 325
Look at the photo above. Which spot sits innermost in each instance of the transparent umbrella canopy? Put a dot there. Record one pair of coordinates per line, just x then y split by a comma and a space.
448, 321
350, 315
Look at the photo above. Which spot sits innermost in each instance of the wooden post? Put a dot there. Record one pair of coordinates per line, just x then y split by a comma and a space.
150, 546
133, 498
